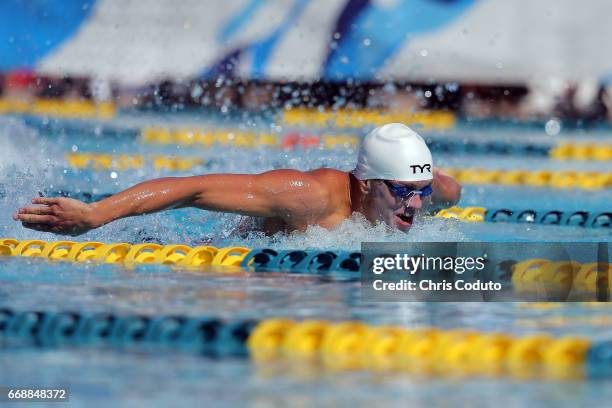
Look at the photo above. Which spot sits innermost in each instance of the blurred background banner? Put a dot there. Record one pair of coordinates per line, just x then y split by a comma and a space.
135, 41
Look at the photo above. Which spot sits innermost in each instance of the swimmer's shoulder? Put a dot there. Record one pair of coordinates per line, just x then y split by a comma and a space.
335, 182
329, 176
327, 190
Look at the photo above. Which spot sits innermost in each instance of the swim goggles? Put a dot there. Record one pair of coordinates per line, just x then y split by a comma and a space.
406, 193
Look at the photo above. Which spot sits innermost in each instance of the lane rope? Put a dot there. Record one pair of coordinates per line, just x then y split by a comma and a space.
349, 118
60, 108
124, 253
336, 346
585, 219
244, 139
104, 161
581, 151
524, 275
534, 178
194, 137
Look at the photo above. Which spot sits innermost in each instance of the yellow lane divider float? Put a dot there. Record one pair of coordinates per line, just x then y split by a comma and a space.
536, 178
243, 139
126, 254
77, 109
103, 161
349, 118
581, 151
354, 345
535, 275
469, 214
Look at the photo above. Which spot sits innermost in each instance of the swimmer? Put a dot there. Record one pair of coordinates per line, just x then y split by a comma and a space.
393, 182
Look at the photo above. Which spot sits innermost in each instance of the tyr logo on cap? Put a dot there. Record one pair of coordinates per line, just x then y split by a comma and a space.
421, 169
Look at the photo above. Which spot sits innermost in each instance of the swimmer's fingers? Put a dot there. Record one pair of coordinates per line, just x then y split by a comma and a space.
39, 209
35, 218
46, 200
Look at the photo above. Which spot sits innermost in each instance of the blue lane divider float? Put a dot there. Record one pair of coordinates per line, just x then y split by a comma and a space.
304, 262
599, 360
488, 148
207, 336
584, 219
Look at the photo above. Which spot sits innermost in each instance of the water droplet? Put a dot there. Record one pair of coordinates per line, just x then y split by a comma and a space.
114, 174
552, 127
452, 87
197, 91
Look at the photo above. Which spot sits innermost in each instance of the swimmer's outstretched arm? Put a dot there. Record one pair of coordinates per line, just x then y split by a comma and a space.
294, 196
446, 190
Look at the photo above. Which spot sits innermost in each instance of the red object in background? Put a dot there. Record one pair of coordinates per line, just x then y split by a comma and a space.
292, 140
19, 79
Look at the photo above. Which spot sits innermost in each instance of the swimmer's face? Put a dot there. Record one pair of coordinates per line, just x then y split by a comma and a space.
395, 211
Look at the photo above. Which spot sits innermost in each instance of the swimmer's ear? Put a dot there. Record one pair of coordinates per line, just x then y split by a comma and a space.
365, 186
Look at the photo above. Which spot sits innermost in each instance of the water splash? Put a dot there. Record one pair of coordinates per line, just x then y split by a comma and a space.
25, 164
349, 235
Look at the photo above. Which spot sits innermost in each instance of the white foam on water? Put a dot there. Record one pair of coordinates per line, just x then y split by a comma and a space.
25, 167
20, 149
353, 231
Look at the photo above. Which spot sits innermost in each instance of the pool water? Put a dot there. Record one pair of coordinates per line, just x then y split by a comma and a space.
162, 377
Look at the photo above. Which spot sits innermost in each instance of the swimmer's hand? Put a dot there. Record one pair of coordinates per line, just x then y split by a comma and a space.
446, 190
59, 215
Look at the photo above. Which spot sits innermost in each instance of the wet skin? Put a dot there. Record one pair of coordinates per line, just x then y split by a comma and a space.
287, 199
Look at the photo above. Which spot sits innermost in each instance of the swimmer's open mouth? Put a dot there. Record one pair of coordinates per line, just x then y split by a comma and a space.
406, 217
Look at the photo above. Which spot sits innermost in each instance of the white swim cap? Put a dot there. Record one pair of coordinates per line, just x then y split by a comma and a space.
394, 152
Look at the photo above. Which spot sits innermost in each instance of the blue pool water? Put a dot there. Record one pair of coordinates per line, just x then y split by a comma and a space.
32, 160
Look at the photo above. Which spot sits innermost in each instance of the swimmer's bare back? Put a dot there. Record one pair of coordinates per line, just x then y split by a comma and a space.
289, 199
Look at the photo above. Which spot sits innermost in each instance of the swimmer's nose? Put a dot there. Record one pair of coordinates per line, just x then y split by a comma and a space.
415, 202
